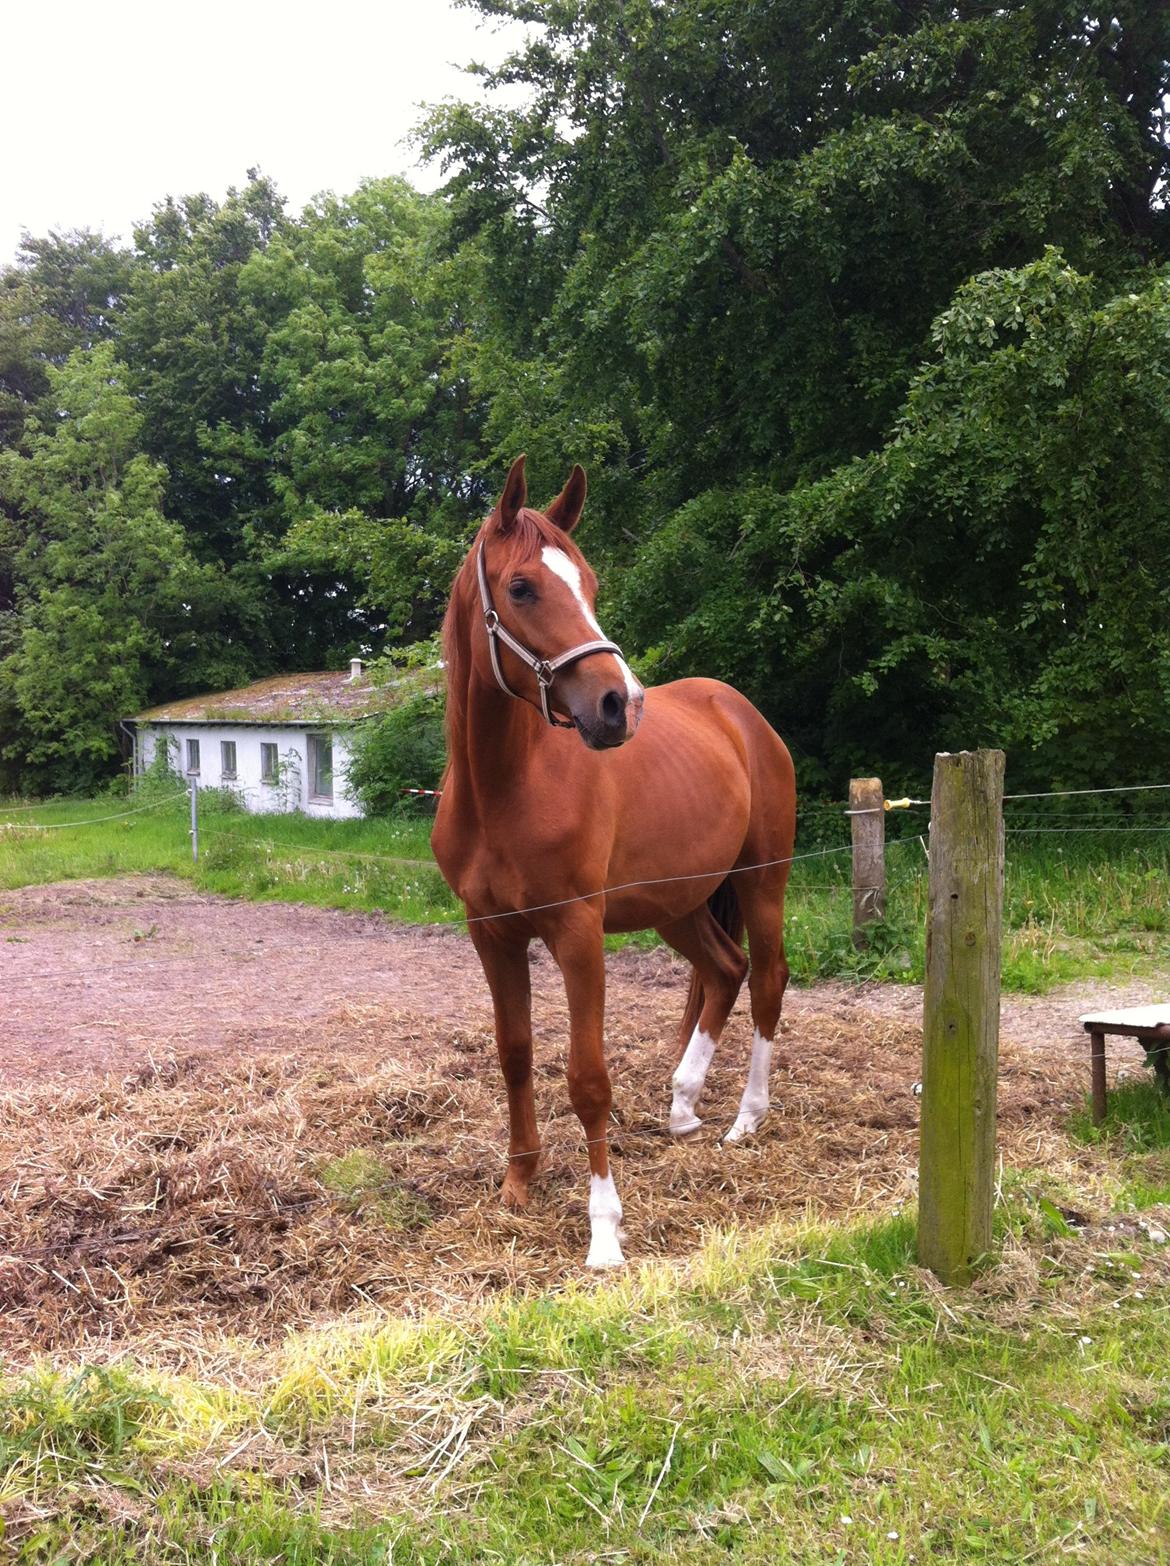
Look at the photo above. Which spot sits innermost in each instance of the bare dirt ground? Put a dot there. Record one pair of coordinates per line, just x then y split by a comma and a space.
179, 1072
100, 976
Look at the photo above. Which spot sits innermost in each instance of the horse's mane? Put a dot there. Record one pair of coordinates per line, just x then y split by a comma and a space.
527, 536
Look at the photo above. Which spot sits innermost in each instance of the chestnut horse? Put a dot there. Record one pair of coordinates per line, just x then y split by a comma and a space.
632, 822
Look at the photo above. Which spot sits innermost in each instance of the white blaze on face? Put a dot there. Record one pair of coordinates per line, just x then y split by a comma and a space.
569, 572
753, 1106
687, 1082
605, 1216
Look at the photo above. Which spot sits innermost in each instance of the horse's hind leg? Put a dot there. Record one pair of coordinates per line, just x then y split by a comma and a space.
505, 965
761, 899
720, 966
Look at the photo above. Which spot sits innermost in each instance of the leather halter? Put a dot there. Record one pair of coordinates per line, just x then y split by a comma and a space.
545, 669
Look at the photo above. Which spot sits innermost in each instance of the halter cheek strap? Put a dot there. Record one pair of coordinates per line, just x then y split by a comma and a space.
545, 669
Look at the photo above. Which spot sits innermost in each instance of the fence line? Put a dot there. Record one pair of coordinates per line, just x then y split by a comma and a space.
45, 804
296, 851
1079, 831
306, 852
60, 826
1067, 793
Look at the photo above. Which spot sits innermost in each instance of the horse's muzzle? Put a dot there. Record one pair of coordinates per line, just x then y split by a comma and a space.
614, 722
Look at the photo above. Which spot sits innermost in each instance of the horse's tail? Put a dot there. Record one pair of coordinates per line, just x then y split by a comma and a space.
728, 915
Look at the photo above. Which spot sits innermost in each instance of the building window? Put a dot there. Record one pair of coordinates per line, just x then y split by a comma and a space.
192, 756
268, 762
321, 767
227, 758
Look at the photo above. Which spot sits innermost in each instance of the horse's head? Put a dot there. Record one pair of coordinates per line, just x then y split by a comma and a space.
542, 641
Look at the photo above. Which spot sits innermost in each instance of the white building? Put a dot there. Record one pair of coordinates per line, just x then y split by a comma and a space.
280, 744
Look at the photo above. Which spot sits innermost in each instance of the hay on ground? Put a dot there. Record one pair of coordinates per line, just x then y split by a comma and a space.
193, 1200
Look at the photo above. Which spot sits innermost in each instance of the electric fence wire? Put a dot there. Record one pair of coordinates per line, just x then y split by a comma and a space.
60, 826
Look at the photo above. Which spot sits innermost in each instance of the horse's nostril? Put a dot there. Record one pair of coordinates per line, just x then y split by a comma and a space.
613, 707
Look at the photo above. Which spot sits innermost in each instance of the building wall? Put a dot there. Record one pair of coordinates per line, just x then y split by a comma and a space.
289, 792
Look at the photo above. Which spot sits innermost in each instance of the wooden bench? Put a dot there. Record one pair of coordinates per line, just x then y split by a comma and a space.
1151, 1024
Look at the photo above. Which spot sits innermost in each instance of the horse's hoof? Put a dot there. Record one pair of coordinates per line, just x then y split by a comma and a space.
604, 1253
683, 1122
514, 1195
746, 1124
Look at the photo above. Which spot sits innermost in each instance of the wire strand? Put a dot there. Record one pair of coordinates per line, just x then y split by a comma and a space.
1078, 831
664, 880
45, 804
58, 826
1067, 793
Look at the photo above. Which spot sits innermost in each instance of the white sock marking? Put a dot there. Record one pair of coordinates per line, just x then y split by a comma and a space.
569, 572
687, 1082
753, 1106
605, 1216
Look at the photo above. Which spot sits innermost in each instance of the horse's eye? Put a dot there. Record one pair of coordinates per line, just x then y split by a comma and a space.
520, 590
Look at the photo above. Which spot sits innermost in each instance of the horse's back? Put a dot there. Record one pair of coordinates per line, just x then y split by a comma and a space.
705, 772
694, 711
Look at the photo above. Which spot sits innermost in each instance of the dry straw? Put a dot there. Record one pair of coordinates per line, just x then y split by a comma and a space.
194, 1201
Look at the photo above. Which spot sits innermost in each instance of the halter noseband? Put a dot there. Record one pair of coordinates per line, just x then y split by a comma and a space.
545, 669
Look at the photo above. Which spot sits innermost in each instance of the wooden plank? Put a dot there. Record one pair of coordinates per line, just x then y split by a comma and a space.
956, 1175
1133, 1017
868, 823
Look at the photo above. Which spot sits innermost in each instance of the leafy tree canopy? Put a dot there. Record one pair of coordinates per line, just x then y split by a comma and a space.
856, 314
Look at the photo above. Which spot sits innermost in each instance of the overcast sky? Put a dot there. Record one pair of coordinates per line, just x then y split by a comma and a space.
110, 107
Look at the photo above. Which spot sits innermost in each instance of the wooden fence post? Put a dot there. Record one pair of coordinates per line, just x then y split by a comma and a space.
960, 1046
868, 823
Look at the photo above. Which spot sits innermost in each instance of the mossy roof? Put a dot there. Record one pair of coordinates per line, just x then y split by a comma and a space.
295, 698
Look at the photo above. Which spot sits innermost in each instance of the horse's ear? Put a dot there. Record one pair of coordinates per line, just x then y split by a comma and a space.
566, 509
514, 496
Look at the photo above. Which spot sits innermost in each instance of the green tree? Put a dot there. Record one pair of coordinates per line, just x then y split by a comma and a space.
373, 433
712, 244
193, 347
989, 575
64, 292
110, 607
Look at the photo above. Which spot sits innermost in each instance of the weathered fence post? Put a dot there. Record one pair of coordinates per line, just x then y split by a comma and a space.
194, 819
960, 1047
868, 822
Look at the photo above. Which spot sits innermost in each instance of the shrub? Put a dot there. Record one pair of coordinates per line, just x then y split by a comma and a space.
405, 748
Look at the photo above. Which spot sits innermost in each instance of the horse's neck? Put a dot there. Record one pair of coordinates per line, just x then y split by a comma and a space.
496, 739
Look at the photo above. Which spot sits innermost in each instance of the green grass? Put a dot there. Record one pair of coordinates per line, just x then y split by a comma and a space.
793, 1395
363, 1183
360, 864
1078, 904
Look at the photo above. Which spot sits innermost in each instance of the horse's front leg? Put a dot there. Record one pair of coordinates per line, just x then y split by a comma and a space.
504, 955
577, 945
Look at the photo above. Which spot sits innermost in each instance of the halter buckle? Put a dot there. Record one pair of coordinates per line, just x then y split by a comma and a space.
544, 672
492, 620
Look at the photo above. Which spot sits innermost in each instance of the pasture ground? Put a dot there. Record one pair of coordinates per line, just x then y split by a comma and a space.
223, 1123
